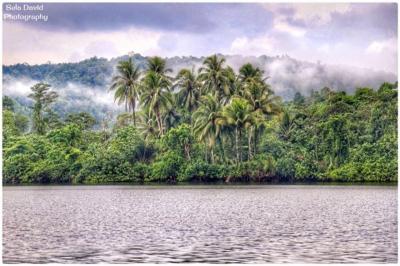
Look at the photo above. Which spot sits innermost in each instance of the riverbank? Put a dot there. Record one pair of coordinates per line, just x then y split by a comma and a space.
213, 184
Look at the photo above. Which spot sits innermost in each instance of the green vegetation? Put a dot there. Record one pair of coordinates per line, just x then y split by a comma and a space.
213, 125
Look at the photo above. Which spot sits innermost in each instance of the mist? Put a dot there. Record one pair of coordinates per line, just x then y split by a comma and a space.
73, 97
286, 76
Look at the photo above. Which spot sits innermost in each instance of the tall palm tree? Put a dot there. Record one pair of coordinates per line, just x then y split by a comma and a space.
155, 96
262, 101
205, 121
126, 85
189, 87
214, 76
171, 117
231, 86
248, 71
239, 115
158, 65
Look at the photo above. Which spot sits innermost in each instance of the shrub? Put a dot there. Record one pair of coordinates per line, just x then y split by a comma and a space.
200, 171
167, 168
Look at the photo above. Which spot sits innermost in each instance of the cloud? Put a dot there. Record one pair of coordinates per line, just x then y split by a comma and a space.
256, 46
378, 47
292, 30
74, 17
72, 98
318, 13
287, 76
195, 18
62, 47
332, 33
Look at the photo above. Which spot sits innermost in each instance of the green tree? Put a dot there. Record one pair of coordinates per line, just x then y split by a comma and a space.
43, 98
248, 72
158, 65
214, 76
205, 120
239, 115
189, 89
156, 97
263, 104
8, 103
180, 140
126, 85
83, 119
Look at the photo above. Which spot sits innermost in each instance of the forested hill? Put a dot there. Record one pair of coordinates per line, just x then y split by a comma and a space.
287, 75
83, 86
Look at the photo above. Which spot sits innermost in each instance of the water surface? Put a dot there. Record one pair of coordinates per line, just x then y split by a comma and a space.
214, 224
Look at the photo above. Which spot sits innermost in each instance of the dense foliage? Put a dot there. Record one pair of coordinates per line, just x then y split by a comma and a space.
208, 125
90, 72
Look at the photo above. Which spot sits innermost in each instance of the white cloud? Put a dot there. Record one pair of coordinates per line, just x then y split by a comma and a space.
256, 46
292, 30
311, 13
319, 14
377, 47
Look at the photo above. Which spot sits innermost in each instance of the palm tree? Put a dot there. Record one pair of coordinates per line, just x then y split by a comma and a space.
171, 116
231, 86
205, 121
248, 71
286, 126
214, 76
123, 120
262, 101
126, 85
189, 89
239, 115
147, 124
158, 65
155, 96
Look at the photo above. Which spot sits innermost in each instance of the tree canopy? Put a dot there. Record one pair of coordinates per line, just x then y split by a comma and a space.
205, 125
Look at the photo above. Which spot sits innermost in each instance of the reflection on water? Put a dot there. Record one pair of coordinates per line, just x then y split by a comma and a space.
115, 224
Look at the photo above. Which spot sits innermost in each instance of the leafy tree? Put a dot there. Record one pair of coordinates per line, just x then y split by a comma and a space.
180, 140
298, 99
239, 115
156, 96
83, 119
249, 73
8, 103
201, 129
214, 76
158, 65
43, 98
126, 85
206, 125
189, 89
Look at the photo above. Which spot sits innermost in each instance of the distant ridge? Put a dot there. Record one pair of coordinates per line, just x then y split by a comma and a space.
83, 85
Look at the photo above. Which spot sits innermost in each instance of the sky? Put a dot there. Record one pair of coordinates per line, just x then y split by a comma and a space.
361, 34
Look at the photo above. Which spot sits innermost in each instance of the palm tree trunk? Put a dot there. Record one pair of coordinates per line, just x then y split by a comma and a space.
237, 144
159, 122
240, 147
212, 155
221, 146
205, 155
187, 151
255, 141
249, 145
133, 111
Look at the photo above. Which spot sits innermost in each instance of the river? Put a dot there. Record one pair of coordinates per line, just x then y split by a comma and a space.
212, 224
